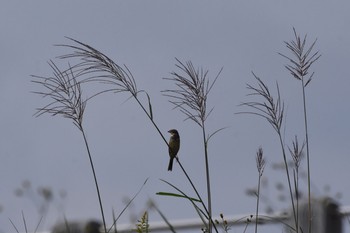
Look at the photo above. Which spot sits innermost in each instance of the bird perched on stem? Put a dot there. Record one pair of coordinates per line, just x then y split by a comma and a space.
174, 146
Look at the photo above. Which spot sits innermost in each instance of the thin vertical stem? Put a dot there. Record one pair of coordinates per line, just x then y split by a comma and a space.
288, 177
297, 197
257, 206
273, 111
299, 68
307, 157
95, 177
260, 165
207, 177
66, 94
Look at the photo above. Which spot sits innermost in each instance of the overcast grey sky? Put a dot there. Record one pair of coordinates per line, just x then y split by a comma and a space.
240, 36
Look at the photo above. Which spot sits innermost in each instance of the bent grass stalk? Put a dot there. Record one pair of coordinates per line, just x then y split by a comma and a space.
66, 100
303, 58
273, 111
297, 155
260, 165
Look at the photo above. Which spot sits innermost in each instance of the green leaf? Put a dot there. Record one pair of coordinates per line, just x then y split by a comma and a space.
192, 200
177, 195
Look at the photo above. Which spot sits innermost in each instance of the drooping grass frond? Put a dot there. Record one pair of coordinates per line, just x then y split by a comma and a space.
96, 66
268, 108
273, 111
191, 92
65, 94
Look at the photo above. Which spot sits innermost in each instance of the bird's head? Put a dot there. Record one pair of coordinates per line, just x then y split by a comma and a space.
173, 132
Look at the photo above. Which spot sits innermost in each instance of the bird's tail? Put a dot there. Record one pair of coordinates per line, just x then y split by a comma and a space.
170, 167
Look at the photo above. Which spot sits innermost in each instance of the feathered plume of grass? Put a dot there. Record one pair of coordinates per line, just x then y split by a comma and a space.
302, 60
272, 110
94, 66
192, 92
65, 93
300, 63
297, 154
268, 108
260, 165
66, 100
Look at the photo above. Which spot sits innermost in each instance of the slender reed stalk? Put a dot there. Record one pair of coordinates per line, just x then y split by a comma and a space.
297, 155
260, 165
205, 142
190, 97
273, 111
303, 59
66, 100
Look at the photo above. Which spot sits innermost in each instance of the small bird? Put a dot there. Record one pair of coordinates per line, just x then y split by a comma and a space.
174, 146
